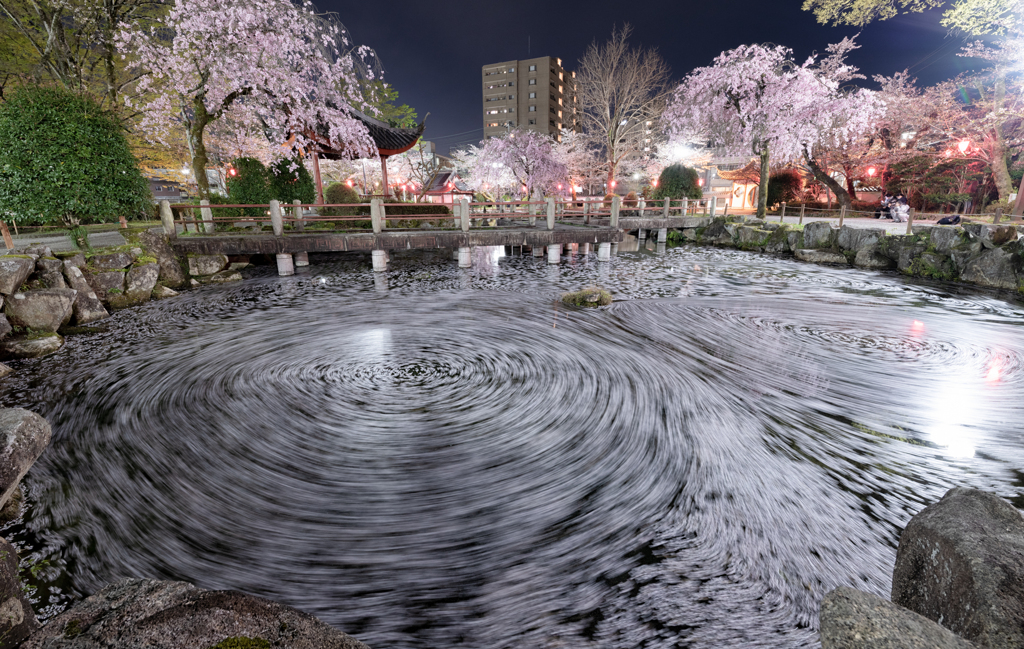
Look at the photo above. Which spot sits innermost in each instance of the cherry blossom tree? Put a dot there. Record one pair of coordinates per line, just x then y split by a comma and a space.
523, 162
756, 99
272, 66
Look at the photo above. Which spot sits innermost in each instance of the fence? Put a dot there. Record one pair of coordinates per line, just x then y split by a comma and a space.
298, 217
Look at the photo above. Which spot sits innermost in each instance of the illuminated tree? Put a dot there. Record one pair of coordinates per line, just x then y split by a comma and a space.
272, 66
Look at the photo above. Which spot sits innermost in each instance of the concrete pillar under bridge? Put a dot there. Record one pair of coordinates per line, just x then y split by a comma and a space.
554, 253
301, 259
285, 265
380, 261
662, 235
465, 257
604, 252
538, 251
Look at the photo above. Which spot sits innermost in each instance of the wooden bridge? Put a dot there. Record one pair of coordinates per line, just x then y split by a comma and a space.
296, 230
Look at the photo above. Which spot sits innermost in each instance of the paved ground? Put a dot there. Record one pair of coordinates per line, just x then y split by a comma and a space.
61, 242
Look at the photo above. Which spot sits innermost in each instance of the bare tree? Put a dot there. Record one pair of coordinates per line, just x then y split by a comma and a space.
622, 92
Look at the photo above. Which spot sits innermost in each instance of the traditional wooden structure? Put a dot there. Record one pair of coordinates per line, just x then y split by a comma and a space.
389, 141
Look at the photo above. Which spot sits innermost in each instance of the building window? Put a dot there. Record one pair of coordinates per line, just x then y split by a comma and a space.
511, 96
533, 121
552, 122
553, 84
511, 83
533, 82
511, 69
553, 98
533, 68
533, 95
552, 109
559, 88
511, 110
491, 112
533, 109
495, 99
492, 123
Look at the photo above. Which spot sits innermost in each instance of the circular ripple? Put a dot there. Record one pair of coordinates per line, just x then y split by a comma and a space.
438, 457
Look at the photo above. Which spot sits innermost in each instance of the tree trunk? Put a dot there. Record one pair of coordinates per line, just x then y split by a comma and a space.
610, 189
1000, 174
198, 147
849, 187
819, 174
762, 190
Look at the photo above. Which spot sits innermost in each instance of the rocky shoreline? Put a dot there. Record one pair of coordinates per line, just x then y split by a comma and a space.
47, 295
986, 255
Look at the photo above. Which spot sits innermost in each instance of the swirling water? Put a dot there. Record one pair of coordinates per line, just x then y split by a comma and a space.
439, 457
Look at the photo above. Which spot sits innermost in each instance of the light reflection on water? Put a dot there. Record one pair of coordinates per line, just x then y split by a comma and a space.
437, 456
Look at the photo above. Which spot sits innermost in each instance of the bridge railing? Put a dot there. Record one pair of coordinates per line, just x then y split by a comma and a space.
220, 219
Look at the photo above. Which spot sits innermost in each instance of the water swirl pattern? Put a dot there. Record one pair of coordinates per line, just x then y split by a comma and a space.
436, 457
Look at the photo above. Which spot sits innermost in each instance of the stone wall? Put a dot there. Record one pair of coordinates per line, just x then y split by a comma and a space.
985, 255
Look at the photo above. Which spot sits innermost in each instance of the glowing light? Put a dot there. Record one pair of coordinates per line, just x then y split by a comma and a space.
349, 182
654, 182
963, 146
578, 188
700, 182
995, 371
232, 172
948, 152
872, 171
559, 186
613, 183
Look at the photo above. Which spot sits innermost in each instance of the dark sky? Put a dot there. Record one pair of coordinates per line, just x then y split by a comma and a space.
433, 51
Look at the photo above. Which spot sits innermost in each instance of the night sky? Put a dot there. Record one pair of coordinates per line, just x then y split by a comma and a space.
432, 52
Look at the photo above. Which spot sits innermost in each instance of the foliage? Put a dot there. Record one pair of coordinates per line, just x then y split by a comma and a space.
521, 161
380, 101
784, 186
63, 159
629, 200
242, 642
251, 185
71, 42
608, 198
757, 99
342, 194
273, 68
678, 181
290, 180
588, 297
973, 17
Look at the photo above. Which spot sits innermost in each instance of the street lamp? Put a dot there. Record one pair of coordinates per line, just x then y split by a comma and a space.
963, 146
872, 171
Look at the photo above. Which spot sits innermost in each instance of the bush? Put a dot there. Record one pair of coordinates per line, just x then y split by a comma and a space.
289, 180
251, 186
784, 187
66, 161
629, 200
608, 200
341, 193
677, 182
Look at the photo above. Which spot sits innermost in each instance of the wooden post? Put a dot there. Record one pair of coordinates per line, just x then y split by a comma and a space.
207, 216
167, 219
586, 213
782, 214
616, 201
551, 212
8, 241
802, 206
123, 221
665, 208
465, 214
375, 215
842, 215
998, 217
686, 206
910, 221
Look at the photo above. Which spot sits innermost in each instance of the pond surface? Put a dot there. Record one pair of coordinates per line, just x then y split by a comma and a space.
439, 457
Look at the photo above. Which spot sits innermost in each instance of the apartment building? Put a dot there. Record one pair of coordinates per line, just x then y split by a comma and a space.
536, 94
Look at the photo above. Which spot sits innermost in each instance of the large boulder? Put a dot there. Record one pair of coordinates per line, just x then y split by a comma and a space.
113, 261
5, 327
48, 269
717, 232
934, 265
14, 271
200, 265
993, 268
43, 310
222, 277
820, 256
139, 286
170, 270
960, 562
24, 436
176, 615
107, 283
819, 234
75, 259
752, 238
32, 346
871, 259
944, 238
856, 239
993, 236
17, 621
87, 307
851, 619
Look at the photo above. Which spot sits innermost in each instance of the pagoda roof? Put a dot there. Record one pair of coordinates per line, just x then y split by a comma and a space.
749, 174
447, 181
389, 140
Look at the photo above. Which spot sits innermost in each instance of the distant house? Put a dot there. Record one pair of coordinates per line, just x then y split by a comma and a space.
447, 187
167, 190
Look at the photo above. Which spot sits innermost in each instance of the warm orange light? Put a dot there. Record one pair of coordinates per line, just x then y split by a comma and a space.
232, 172
613, 183
872, 171
654, 182
349, 182
559, 186
700, 182
963, 146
